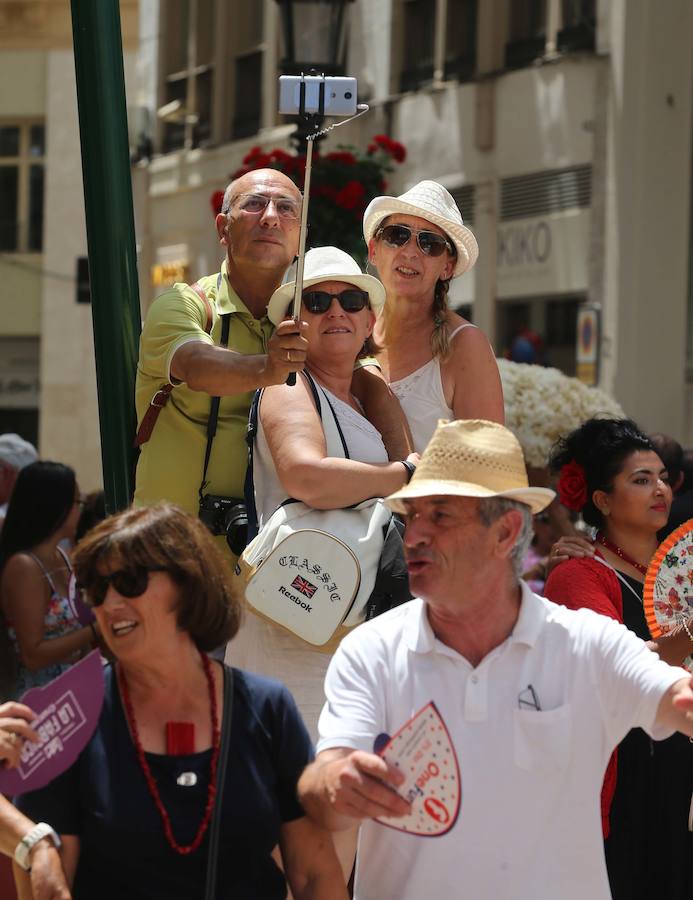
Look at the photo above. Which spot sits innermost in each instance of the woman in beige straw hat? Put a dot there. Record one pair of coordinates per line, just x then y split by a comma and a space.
438, 364
291, 459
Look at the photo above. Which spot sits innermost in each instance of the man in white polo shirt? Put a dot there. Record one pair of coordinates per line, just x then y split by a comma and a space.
535, 697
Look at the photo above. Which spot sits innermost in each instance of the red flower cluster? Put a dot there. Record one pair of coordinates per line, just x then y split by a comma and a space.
342, 156
385, 144
352, 196
572, 486
216, 201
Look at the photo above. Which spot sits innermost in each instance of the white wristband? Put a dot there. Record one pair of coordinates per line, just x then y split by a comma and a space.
29, 841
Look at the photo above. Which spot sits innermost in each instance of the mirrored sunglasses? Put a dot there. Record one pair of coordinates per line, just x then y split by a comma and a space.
131, 582
430, 243
255, 204
351, 300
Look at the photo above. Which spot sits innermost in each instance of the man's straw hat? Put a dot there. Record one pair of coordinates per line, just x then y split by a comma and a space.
472, 458
431, 201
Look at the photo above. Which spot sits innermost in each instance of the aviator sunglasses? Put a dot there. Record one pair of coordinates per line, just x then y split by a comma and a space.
131, 582
430, 243
351, 300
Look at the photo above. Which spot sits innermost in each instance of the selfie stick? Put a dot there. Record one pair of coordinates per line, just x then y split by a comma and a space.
310, 138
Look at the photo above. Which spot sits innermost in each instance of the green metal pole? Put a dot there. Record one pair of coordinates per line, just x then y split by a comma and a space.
110, 234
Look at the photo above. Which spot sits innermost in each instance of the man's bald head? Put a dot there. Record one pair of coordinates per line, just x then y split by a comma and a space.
255, 181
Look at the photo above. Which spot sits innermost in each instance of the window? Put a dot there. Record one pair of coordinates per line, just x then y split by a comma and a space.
527, 35
22, 152
247, 71
188, 72
579, 25
419, 41
212, 69
540, 330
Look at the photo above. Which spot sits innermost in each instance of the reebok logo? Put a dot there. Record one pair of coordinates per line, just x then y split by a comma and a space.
297, 600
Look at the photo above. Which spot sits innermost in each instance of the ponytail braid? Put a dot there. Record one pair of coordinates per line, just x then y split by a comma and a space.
440, 339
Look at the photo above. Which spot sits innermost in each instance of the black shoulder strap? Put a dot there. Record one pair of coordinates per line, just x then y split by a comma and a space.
249, 484
251, 437
214, 826
214, 407
316, 397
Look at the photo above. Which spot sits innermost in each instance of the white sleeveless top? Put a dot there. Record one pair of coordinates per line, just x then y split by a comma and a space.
422, 398
261, 646
363, 440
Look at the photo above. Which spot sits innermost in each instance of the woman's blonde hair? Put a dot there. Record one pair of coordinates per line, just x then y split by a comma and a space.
440, 338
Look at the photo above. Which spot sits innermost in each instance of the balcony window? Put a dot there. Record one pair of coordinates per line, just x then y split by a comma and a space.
527, 33
22, 153
419, 41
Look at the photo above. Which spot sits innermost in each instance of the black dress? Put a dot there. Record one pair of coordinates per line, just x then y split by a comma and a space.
649, 851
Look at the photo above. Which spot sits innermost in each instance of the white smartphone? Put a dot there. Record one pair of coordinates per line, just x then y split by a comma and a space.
340, 95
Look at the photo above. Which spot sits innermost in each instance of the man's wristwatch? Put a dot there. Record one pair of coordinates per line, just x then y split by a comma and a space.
410, 467
23, 850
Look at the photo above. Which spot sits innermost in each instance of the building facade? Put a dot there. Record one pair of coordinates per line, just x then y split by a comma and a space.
47, 374
563, 128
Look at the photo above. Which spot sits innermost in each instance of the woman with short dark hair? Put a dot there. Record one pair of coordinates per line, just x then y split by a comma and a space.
42, 631
135, 811
609, 471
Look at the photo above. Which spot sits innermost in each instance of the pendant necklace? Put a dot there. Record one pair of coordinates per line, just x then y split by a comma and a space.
182, 849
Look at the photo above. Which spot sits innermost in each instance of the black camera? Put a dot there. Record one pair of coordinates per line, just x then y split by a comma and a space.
227, 516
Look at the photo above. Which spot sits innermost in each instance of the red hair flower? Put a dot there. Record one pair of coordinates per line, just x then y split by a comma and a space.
572, 486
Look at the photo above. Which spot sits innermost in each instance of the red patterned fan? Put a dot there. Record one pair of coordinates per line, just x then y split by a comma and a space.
668, 591
423, 751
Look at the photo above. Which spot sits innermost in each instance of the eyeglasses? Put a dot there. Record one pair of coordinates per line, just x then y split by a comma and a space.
255, 204
351, 300
130, 583
430, 243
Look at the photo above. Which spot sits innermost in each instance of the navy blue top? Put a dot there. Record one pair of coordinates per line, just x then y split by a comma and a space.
103, 799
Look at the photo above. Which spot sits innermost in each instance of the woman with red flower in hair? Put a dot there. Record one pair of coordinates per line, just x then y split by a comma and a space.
610, 472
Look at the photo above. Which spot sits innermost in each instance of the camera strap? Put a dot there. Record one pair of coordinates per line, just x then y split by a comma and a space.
214, 407
251, 436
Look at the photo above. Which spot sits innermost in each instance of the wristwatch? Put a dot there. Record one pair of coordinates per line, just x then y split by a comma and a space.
28, 842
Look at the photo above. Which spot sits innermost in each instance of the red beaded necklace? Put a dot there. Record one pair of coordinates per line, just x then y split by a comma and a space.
605, 542
149, 778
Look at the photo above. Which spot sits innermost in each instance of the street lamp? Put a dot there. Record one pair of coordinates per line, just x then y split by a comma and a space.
314, 36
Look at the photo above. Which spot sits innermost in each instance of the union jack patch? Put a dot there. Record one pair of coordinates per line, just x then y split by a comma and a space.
303, 586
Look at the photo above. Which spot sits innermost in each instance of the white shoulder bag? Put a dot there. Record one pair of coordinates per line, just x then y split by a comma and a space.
313, 570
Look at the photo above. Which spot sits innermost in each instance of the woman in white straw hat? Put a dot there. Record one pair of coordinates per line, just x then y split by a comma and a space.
290, 459
439, 365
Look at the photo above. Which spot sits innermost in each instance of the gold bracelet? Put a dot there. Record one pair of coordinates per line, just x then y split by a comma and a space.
687, 630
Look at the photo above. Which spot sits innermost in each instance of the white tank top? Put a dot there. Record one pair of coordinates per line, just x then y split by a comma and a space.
363, 440
422, 398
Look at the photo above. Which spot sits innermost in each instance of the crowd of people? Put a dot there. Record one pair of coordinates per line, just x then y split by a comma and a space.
202, 771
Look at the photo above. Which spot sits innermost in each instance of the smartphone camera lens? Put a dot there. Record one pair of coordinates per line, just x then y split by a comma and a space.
348, 95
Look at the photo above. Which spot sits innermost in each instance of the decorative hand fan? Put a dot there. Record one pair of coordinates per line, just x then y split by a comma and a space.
423, 751
67, 713
668, 591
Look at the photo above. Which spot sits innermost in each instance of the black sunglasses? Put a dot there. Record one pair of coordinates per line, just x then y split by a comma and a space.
429, 242
131, 582
351, 300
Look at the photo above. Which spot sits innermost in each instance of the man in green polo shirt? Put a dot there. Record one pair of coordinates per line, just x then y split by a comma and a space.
259, 227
